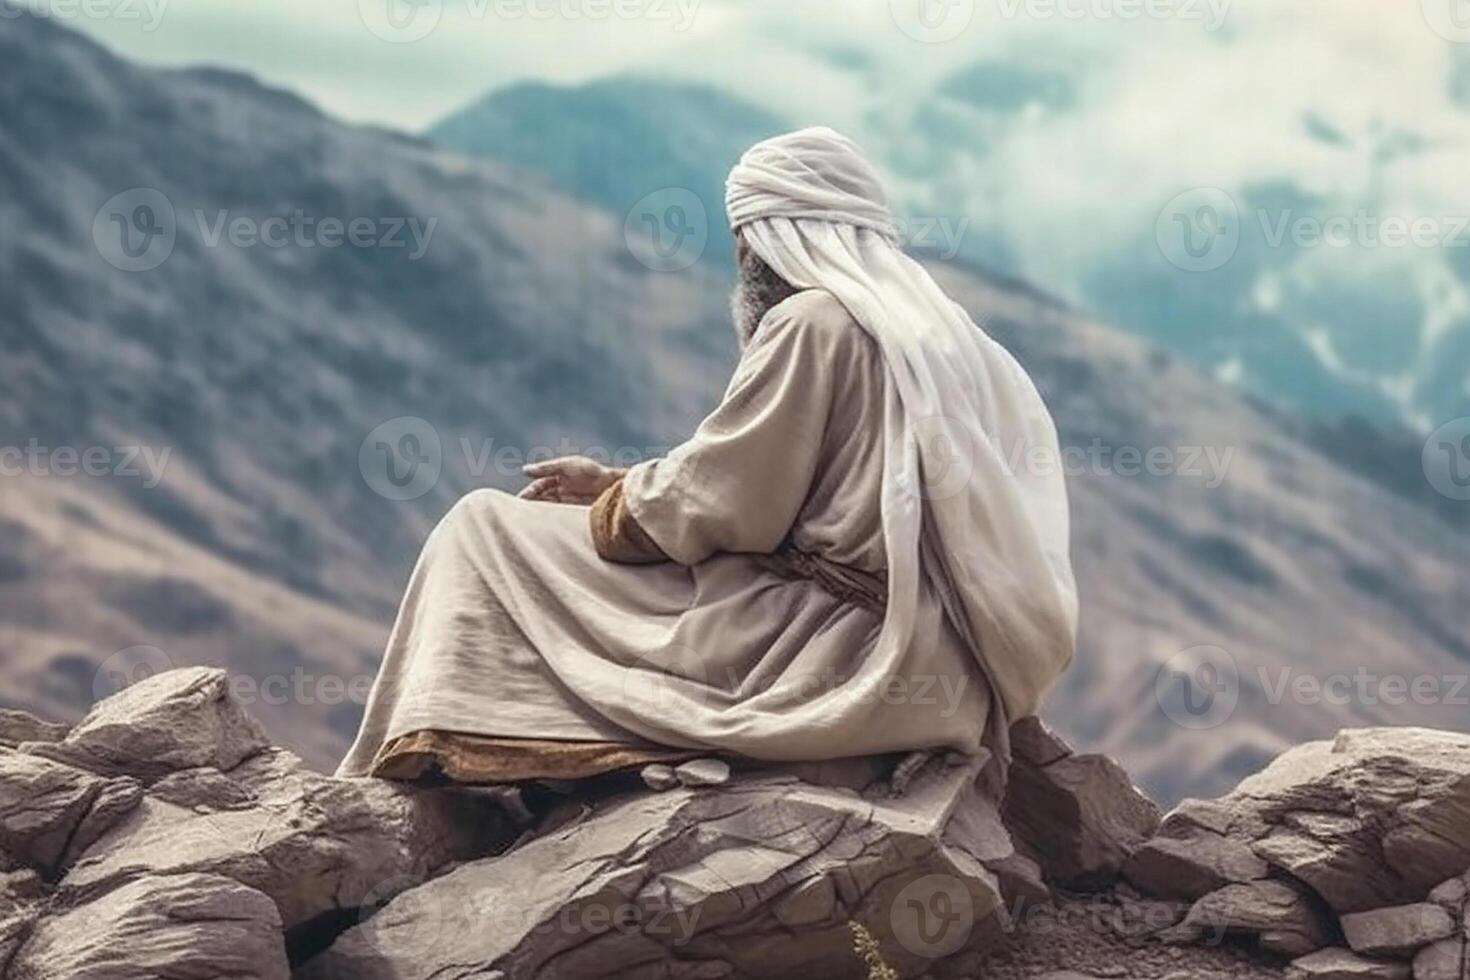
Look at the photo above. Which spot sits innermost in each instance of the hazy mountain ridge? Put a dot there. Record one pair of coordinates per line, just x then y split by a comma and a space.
527, 319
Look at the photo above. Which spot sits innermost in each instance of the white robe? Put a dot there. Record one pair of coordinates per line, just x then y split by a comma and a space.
513, 626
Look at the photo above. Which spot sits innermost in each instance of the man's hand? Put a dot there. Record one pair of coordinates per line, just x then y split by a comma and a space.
569, 480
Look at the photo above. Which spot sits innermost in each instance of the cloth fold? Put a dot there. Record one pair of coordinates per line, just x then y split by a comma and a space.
991, 540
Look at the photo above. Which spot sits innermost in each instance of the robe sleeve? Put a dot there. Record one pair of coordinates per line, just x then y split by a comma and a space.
616, 535
739, 482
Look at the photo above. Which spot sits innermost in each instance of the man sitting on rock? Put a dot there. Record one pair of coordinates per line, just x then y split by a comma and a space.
862, 550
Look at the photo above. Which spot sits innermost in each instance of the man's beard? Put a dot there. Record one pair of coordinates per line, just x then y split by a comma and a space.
757, 289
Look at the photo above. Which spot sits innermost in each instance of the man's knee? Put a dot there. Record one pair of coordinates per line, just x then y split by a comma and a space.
479, 505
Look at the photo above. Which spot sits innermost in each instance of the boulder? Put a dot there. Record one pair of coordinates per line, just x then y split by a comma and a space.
1370, 819
1192, 865
757, 878
1452, 894
1078, 816
1398, 931
175, 720
49, 812
18, 726
1343, 964
314, 844
178, 927
1281, 915
1442, 960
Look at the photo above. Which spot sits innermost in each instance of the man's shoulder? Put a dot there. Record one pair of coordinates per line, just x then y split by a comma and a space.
818, 315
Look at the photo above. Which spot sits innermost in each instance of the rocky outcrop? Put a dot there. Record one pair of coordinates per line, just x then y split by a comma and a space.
164, 837
1337, 853
1079, 816
693, 878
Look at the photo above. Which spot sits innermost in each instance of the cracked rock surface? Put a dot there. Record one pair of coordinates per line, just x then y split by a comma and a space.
163, 837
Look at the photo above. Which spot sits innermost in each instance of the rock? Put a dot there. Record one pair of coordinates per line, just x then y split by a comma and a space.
175, 720
1451, 894
1398, 931
1280, 914
1370, 819
1343, 964
1192, 866
1441, 960
312, 843
703, 772
50, 811
659, 777
1035, 744
17, 727
758, 880
179, 927
22, 885
1079, 816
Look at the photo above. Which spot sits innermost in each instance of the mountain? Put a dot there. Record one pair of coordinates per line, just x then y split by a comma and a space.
669, 136
309, 409
1005, 160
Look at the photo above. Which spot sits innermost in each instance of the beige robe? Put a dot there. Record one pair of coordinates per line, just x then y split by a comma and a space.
513, 626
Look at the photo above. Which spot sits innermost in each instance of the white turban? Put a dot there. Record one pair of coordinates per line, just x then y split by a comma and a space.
974, 505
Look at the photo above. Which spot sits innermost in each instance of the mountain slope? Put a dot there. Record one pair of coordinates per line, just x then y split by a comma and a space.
669, 135
274, 537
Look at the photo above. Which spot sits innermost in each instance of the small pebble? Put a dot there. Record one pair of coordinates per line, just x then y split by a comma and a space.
703, 772
659, 777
